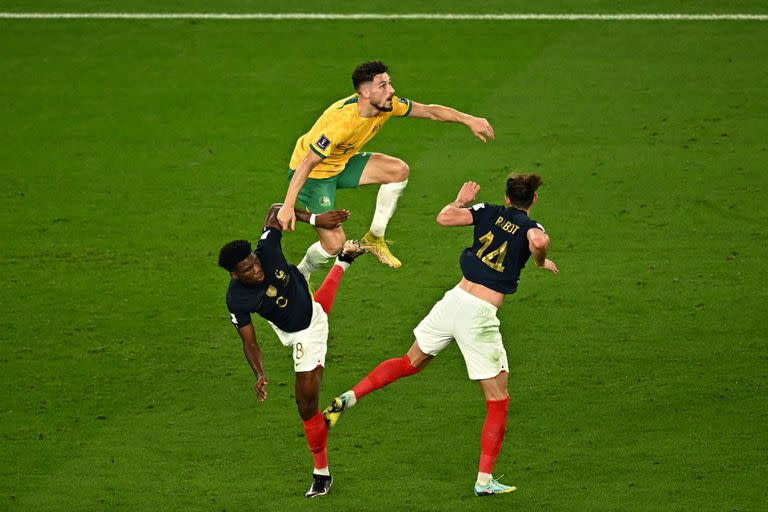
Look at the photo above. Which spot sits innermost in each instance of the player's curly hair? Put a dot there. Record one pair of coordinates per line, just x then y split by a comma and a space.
521, 189
233, 253
366, 71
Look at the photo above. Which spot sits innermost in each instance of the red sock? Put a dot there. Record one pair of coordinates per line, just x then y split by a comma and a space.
317, 439
386, 373
493, 433
327, 291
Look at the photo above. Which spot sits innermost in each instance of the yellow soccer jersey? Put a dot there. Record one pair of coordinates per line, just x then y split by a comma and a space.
340, 133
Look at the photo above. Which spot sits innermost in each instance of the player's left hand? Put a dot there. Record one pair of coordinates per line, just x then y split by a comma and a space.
261, 388
332, 219
481, 128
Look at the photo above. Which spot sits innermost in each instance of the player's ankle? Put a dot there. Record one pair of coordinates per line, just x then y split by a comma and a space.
484, 478
343, 264
351, 399
322, 471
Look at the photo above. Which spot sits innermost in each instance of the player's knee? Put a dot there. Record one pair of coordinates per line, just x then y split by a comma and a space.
307, 407
396, 171
411, 367
333, 246
496, 395
401, 172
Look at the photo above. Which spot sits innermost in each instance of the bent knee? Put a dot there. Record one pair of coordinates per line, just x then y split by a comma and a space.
333, 245
401, 172
394, 171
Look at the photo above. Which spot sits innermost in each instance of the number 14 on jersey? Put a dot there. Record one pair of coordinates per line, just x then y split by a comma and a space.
497, 254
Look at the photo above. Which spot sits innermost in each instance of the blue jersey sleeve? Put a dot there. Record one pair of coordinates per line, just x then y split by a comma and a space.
481, 213
269, 250
271, 237
240, 319
535, 225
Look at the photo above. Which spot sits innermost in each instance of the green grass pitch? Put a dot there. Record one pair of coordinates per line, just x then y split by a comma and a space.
132, 150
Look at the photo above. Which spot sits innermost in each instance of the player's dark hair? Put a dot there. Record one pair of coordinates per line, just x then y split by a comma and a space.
366, 71
233, 253
521, 189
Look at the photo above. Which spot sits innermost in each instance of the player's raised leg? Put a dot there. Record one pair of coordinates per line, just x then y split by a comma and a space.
494, 428
327, 291
329, 244
307, 394
385, 373
392, 174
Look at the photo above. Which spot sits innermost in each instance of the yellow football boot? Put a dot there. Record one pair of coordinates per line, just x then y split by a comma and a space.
377, 246
333, 412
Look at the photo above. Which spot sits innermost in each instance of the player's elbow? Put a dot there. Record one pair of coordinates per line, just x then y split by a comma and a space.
443, 218
452, 216
271, 220
450, 219
540, 244
310, 162
273, 210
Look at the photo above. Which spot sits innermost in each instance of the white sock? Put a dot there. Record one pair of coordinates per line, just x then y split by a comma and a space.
343, 264
386, 202
484, 478
315, 258
322, 471
351, 400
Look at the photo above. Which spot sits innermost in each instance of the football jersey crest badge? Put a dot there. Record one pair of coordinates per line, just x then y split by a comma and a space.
325, 201
271, 291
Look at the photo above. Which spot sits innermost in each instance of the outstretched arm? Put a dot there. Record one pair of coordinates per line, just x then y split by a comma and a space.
286, 216
255, 359
538, 243
327, 220
479, 125
456, 213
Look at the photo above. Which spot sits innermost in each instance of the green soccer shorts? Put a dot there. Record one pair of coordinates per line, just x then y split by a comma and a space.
319, 195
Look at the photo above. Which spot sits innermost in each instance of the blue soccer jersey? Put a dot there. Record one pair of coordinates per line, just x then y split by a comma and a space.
283, 298
500, 248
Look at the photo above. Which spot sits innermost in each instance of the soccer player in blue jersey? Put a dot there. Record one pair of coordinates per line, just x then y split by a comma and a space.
503, 240
263, 282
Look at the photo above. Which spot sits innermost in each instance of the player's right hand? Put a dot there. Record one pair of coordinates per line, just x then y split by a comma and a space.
481, 128
261, 388
550, 265
332, 219
287, 218
468, 192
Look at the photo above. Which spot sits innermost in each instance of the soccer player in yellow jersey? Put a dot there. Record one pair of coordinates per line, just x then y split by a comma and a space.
328, 157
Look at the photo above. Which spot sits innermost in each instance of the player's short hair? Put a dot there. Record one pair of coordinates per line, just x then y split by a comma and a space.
233, 253
521, 189
366, 71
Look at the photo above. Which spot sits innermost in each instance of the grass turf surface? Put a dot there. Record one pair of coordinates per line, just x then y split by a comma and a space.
133, 150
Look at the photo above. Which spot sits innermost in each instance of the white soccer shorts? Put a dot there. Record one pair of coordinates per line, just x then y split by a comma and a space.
470, 321
311, 344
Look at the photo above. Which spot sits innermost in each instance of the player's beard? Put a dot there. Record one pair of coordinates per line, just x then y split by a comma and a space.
383, 107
